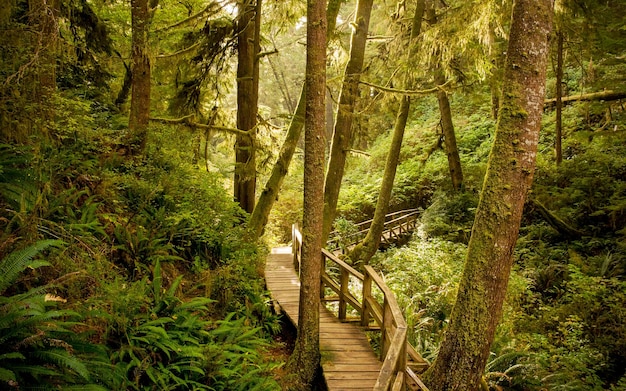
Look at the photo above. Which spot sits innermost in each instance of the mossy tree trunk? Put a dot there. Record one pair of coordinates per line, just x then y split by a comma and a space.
305, 360
463, 353
247, 102
366, 249
449, 136
342, 135
269, 195
140, 87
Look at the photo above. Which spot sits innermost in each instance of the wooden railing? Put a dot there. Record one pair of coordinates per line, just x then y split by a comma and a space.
396, 225
375, 309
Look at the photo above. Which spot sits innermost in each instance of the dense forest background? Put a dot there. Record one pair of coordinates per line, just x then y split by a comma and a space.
127, 263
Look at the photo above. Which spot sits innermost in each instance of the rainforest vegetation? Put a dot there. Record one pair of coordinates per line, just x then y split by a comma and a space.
153, 151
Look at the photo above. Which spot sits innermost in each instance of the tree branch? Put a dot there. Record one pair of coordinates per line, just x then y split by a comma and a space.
602, 95
178, 53
188, 121
406, 92
193, 17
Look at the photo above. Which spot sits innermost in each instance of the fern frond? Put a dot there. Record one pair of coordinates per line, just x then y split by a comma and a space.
16, 262
63, 359
6, 375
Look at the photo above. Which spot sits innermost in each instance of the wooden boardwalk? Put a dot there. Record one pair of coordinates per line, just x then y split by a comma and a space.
348, 361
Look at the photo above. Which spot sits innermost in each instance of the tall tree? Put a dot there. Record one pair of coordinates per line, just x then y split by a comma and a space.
342, 135
306, 356
463, 353
268, 196
248, 48
364, 250
140, 90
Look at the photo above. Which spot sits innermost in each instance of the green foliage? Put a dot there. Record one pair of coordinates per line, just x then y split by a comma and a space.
450, 216
169, 343
39, 343
18, 186
424, 275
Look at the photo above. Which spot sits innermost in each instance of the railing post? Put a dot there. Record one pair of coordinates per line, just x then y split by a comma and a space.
344, 279
367, 293
386, 329
322, 272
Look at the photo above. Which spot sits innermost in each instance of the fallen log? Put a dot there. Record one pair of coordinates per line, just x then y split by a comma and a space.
558, 223
607, 95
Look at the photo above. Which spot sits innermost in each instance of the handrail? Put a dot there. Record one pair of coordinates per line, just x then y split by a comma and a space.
394, 226
387, 317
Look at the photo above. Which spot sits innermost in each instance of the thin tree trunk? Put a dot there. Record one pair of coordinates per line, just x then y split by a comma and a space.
140, 91
449, 137
269, 195
464, 352
43, 17
447, 126
342, 135
305, 360
247, 104
122, 95
365, 250
559, 96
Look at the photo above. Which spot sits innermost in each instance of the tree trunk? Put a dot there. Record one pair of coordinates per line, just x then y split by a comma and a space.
449, 137
342, 135
122, 95
247, 103
559, 96
305, 361
463, 353
269, 195
140, 90
44, 19
447, 127
365, 250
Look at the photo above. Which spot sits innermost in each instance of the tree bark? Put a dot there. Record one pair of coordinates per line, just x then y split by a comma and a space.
269, 195
306, 356
247, 103
558, 126
365, 250
342, 135
464, 352
140, 90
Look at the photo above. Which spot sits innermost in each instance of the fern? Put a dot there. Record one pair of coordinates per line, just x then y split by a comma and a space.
16, 262
40, 347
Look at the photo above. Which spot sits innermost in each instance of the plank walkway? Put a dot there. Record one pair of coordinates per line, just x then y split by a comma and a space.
348, 361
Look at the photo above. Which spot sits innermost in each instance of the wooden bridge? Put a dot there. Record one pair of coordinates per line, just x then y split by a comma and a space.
351, 303
398, 225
